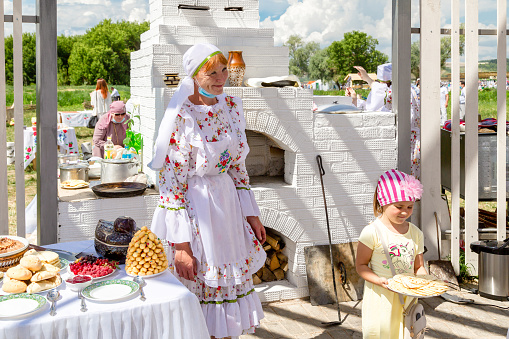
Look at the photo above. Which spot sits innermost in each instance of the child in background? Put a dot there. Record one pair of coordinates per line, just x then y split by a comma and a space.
382, 312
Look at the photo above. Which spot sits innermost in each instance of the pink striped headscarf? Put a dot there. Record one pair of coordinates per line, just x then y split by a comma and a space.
395, 186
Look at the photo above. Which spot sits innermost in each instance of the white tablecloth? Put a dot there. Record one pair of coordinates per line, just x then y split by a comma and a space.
75, 119
170, 311
66, 140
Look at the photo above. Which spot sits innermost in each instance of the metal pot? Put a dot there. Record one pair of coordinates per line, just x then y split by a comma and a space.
65, 158
493, 268
117, 170
73, 172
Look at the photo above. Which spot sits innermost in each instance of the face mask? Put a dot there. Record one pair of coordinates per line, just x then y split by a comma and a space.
117, 122
204, 92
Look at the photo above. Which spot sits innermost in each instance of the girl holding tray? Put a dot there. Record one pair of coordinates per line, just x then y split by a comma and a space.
382, 312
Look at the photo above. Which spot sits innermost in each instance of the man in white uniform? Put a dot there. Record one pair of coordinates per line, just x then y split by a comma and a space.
444, 102
462, 100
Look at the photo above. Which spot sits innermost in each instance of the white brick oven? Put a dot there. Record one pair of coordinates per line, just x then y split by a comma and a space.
284, 135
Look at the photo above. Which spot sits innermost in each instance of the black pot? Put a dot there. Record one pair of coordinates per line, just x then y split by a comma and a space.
110, 242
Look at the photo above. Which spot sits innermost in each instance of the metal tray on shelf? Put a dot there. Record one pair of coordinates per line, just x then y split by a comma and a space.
119, 189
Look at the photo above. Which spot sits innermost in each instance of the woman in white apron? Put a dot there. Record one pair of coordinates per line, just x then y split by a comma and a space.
207, 210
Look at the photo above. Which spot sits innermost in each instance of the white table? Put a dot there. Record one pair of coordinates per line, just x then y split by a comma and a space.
75, 119
66, 140
170, 311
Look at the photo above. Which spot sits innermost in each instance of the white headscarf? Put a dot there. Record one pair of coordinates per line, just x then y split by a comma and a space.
193, 60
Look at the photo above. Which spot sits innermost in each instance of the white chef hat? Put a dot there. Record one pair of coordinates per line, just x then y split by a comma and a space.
193, 61
384, 72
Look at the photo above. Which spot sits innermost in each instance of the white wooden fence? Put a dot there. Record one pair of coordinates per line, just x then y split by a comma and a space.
430, 34
46, 92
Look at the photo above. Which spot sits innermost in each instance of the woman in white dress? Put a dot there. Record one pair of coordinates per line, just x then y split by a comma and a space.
207, 211
100, 98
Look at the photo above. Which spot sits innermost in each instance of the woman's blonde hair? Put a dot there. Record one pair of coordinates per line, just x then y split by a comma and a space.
214, 61
377, 209
103, 87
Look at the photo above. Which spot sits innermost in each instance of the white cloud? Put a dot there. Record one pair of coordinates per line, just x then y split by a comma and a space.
325, 21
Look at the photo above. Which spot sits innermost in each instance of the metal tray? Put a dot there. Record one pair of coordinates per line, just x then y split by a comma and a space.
119, 189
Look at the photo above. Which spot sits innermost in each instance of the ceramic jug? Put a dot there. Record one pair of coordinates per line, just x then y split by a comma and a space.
236, 68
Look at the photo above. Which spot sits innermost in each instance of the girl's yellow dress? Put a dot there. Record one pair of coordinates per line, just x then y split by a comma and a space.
382, 313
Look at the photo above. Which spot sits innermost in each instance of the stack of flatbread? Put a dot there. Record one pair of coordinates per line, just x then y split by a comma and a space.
33, 275
46, 257
73, 184
424, 286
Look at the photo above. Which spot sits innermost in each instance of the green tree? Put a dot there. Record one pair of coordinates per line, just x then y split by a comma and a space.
300, 54
320, 66
105, 52
29, 66
445, 53
356, 49
64, 49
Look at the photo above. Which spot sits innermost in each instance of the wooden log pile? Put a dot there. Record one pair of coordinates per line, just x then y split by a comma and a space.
487, 219
276, 263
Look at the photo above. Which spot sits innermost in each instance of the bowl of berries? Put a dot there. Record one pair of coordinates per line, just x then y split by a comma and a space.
93, 266
78, 282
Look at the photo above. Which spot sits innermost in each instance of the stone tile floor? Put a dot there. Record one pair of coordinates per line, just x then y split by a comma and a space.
299, 319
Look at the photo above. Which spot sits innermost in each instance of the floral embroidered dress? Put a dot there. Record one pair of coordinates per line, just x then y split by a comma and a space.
382, 313
415, 134
205, 199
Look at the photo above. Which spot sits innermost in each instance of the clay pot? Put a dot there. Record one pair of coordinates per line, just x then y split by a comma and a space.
236, 68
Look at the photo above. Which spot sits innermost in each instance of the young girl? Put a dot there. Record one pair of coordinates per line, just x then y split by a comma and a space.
382, 312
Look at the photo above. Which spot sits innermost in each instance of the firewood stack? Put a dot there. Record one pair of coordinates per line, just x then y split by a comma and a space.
276, 264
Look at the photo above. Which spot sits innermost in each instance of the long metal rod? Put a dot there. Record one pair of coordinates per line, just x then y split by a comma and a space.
322, 173
31, 19
501, 118
18, 117
455, 141
471, 133
4, 193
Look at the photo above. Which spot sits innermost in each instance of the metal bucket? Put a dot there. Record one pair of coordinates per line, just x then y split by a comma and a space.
117, 170
73, 172
65, 158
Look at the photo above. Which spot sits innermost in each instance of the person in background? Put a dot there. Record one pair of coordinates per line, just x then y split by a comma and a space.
112, 124
462, 100
100, 98
115, 96
444, 102
382, 312
380, 96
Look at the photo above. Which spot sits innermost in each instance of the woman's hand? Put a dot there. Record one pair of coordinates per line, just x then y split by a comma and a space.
363, 74
258, 228
185, 263
350, 92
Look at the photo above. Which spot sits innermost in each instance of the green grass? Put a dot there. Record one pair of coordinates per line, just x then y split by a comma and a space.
487, 104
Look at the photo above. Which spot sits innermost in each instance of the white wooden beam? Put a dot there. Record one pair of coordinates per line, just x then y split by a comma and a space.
455, 141
4, 194
471, 134
501, 118
18, 117
430, 121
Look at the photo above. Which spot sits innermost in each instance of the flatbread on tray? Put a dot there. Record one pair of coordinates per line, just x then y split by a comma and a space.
418, 286
74, 184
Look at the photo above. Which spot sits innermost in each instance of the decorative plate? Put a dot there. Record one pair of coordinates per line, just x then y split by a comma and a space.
146, 276
63, 264
406, 292
13, 237
93, 278
110, 290
16, 305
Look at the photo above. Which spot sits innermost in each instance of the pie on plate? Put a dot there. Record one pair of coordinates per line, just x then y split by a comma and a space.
417, 286
74, 184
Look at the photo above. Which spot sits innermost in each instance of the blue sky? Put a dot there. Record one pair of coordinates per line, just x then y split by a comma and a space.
323, 21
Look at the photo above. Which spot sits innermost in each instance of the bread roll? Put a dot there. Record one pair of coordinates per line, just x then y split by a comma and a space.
31, 262
43, 275
49, 267
30, 252
19, 273
39, 286
14, 286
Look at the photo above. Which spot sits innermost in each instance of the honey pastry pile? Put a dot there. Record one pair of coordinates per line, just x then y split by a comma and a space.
145, 255
424, 286
74, 184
